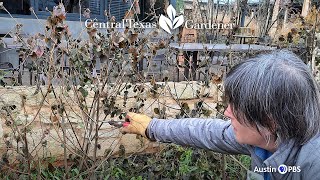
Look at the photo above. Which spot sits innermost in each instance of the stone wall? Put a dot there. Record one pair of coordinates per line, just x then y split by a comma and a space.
44, 133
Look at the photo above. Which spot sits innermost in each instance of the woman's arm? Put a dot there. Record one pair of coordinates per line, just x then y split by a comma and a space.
213, 134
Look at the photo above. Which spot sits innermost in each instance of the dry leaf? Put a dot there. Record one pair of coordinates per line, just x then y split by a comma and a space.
86, 13
59, 11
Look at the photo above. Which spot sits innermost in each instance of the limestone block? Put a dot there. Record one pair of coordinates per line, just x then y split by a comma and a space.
46, 137
9, 97
74, 117
110, 133
188, 90
33, 98
22, 119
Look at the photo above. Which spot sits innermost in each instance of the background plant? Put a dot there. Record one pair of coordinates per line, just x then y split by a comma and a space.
70, 86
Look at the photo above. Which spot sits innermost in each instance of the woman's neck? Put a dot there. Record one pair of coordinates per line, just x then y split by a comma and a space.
270, 146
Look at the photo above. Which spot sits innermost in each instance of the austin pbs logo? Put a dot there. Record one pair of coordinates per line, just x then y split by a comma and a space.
283, 169
172, 22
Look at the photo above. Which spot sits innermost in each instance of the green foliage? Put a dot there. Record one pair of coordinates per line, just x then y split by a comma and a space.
172, 162
185, 161
180, 6
83, 92
245, 160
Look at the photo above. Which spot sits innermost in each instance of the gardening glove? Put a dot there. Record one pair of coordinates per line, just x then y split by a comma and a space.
138, 124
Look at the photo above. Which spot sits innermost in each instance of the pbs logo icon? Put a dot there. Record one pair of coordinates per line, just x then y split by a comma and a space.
282, 169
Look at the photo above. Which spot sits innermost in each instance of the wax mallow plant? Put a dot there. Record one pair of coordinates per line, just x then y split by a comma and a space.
59, 127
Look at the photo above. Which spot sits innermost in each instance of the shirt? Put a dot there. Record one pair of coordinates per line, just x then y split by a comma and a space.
218, 135
263, 154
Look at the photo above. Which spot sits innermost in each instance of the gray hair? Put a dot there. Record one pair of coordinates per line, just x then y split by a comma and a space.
277, 92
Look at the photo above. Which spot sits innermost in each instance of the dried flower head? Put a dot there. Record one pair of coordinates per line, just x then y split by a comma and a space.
86, 13
59, 11
113, 19
106, 13
39, 51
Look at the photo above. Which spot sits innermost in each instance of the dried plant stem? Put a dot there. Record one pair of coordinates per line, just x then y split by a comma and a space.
87, 138
97, 128
223, 166
27, 152
41, 104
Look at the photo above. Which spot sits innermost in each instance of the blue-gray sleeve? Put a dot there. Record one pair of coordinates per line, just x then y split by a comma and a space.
212, 134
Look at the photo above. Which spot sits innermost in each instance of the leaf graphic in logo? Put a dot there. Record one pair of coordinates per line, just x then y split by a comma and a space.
165, 23
172, 22
171, 12
178, 21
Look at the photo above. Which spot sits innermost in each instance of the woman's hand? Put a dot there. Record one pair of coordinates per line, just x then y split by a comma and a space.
138, 124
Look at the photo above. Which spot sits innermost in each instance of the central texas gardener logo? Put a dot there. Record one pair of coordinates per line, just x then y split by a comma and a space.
172, 22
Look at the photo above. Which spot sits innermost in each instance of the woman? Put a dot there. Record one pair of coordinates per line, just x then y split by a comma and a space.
274, 112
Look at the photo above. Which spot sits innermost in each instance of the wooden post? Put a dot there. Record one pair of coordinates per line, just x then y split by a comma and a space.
274, 18
285, 19
194, 64
20, 71
267, 21
305, 8
186, 64
243, 12
177, 70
